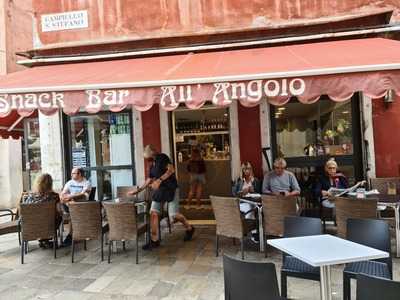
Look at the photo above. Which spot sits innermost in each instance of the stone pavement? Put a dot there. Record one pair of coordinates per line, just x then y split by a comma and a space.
177, 270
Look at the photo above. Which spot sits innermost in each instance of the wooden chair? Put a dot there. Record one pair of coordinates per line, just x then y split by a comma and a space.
353, 208
123, 223
87, 224
275, 209
37, 222
230, 222
11, 226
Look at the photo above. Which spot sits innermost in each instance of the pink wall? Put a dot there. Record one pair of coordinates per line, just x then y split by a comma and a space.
386, 123
18, 26
138, 19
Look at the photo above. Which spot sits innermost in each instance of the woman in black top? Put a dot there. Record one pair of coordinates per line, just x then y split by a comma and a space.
330, 179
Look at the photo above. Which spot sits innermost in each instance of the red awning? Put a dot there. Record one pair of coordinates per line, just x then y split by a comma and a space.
7, 122
307, 71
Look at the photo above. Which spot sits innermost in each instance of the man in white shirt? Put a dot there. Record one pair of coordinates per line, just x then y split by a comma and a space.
77, 189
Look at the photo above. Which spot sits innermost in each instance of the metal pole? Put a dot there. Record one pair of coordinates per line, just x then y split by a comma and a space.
260, 227
326, 291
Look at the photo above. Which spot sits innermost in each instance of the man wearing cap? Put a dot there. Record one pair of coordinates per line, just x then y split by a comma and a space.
163, 182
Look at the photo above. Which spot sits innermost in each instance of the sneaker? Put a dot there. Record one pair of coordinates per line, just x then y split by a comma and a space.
68, 241
189, 234
152, 244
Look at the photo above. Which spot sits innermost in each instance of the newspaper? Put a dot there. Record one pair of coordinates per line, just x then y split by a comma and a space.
340, 192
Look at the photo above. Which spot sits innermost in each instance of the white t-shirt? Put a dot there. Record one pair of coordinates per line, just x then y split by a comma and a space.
74, 187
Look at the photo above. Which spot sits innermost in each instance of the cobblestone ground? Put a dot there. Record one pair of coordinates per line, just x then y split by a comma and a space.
177, 270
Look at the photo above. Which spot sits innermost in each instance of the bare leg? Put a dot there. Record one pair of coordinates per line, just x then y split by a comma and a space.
191, 192
199, 190
181, 218
154, 225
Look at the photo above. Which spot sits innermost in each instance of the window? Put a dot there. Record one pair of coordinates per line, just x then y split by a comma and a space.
307, 135
101, 144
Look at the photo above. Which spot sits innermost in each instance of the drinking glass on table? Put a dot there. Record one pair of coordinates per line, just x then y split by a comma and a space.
391, 188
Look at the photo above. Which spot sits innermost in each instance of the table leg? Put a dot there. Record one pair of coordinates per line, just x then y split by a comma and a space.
326, 291
260, 228
397, 227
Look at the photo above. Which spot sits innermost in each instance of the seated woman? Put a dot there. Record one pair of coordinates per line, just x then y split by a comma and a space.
331, 178
43, 192
247, 183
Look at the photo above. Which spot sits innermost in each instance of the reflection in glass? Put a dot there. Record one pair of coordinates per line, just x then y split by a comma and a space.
322, 128
33, 161
103, 140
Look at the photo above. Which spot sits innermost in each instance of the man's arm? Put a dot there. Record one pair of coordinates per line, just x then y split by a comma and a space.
143, 187
170, 170
295, 188
266, 188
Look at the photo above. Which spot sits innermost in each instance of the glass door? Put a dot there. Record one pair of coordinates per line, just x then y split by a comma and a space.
102, 145
33, 165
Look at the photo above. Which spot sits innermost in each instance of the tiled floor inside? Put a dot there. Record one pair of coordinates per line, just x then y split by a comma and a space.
177, 270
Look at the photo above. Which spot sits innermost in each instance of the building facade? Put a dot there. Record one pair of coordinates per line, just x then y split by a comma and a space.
109, 145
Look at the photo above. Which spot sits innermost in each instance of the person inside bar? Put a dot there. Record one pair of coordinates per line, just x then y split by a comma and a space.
163, 183
197, 170
331, 178
280, 181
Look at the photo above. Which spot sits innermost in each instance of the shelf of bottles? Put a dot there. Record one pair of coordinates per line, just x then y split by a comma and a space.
119, 124
206, 127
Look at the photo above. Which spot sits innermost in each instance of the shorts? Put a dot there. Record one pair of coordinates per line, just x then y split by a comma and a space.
173, 206
200, 178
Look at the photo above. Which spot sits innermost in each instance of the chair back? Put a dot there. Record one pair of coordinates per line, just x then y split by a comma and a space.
122, 220
38, 220
92, 194
249, 280
275, 209
122, 192
301, 226
371, 233
381, 184
228, 217
374, 288
353, 208
86, 220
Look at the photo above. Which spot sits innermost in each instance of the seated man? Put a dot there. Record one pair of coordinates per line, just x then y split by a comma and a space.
280, 181
77, 189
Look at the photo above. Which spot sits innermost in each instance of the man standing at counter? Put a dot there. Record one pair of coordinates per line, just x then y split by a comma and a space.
280, 181
164, 185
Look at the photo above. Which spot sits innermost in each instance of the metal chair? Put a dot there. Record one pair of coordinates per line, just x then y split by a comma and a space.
291, 266
249, 280
374, 234
374, 288
230, 222
352, 208
123, 223
87, 224
38, 222
275, 209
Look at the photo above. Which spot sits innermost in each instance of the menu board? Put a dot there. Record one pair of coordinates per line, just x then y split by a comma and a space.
79, 157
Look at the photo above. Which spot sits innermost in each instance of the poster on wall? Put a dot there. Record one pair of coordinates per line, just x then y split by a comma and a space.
79, 157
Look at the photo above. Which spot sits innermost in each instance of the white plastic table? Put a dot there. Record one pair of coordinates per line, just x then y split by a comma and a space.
323, 251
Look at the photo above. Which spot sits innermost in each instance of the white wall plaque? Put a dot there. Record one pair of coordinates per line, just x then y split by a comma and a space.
64, 21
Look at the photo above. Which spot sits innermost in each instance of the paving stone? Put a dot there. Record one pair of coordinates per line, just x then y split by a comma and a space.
161, 289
